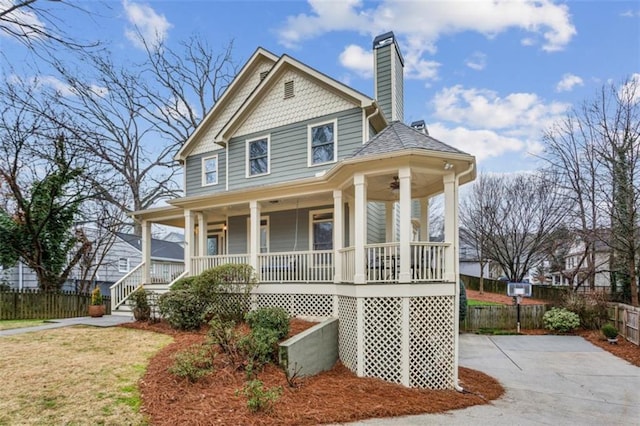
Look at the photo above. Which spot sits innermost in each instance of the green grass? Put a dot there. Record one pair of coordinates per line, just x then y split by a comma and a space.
472, 302
10, 324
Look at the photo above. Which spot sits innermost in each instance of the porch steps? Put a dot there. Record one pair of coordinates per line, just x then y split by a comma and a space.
125, 308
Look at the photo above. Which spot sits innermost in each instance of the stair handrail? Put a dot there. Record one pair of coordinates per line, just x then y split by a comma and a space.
119, 293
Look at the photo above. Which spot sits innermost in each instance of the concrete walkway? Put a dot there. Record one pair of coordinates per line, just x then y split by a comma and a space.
104, 321
549, 380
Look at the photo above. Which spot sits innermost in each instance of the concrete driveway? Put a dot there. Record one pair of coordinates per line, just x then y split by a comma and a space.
549, 380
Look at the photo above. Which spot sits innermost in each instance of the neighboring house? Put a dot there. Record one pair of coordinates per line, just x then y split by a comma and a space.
575, 266
303, 178
122, 256
470, 261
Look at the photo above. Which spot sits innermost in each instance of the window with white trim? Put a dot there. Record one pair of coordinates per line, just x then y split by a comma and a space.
264, 234
321, 229
322, 143
123, 264
210, 170
258, 156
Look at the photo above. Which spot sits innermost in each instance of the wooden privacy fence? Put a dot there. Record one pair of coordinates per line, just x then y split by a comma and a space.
30, 304
542, 292
503, 317
626, 318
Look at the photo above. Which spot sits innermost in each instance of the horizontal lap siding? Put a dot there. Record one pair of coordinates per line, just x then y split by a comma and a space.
383, 80
282, 231
289, 150
193, 170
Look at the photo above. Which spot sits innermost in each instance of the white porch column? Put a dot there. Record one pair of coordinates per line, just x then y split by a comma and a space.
146, 251
360, 228
338, 234
406, 228
254, 234
189, 243
202, 234
424, 219
352, 220
389, 222
450, 224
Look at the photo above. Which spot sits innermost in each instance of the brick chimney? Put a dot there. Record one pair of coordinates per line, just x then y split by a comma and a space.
388, 66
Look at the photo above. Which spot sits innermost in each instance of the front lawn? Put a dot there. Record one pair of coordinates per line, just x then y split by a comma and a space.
473, 302
75, 375
10, 324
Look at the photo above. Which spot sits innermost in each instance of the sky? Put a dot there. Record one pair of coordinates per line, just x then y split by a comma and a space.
488, 77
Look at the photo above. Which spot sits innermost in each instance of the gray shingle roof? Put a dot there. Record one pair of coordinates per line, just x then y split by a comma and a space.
159, 248
398, 137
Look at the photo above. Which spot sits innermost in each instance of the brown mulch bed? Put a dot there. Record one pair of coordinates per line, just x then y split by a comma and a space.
330, 397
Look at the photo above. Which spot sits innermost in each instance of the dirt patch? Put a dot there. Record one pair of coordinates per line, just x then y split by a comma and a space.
331, 397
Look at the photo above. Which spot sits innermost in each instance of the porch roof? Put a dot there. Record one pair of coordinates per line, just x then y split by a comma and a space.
399, 137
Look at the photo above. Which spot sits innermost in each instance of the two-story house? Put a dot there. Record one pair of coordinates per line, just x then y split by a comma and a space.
304, 178
109, 262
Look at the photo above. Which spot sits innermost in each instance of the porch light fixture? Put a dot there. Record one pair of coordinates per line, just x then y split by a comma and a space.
394, 186
448, 165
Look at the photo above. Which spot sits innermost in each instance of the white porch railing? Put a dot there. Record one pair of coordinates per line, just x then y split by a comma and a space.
296, 266
348, 263
200, 264
121, 290
165, 272
383, 262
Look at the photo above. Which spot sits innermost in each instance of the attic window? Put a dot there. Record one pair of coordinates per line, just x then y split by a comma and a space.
288, 89
263, 75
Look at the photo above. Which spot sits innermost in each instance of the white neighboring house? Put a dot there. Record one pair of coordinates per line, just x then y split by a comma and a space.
123, 255
576, 266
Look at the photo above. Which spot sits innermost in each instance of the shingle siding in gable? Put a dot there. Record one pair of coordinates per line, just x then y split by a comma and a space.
309, 100
193, 170
289, 150
207, 141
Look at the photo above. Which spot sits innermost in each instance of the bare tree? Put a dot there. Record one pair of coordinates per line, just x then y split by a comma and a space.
614, 117
571, 155
37, 24
518, 214
475, 224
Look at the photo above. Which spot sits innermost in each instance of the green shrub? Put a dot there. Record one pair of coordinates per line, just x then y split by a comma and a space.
224, 334
259, 347
184, 283
193, 362
560, 319
259, 398
227, 289
463, 302
274, 318
182, 309
591, 308
609, 331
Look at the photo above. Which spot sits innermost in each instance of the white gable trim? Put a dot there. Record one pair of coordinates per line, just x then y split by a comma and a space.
280, 67
240, 78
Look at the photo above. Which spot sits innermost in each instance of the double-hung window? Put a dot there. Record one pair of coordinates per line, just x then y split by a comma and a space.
322, 143
258, 156
210, 170
123, 264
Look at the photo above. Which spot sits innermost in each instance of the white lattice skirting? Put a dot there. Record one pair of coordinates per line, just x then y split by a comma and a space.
405, 340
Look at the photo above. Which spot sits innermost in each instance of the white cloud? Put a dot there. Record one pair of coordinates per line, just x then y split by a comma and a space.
477, 61
630, 13
546, 23
481, 122
630, 89
146, 25
482, 143
59, 86
19, 20
568, 82
358, 60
